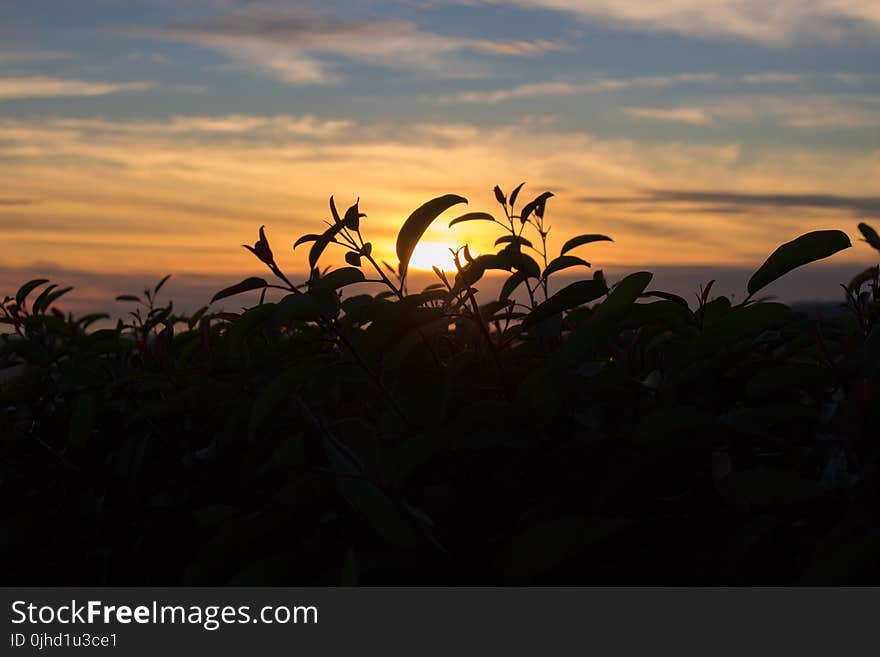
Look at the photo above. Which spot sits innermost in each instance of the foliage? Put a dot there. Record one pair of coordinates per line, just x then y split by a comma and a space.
585, 433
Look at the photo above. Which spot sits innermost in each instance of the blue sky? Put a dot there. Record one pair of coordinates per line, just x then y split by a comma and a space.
695, 132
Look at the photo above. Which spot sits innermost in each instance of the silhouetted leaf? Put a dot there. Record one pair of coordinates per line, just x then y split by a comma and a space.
563, 262
128, 297
805, 249
536, 206
311, 237
27, 288
352, 218
604, 322
513, 239
414, 227
353, 258
499, 195
246, 285
48, 297
472, 216
513, 282
339, 278
575, 294
334, 212
871, 236
580, 240
160, 284
515, 193
741, 323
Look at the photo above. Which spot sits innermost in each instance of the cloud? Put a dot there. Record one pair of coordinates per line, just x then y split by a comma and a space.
690, 115
859, 206
17, 201
564, 88
49, 87
30, 56
300, 46
808, 111
780, 23
181, 194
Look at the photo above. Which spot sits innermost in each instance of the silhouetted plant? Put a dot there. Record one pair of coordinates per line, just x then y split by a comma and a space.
595, 433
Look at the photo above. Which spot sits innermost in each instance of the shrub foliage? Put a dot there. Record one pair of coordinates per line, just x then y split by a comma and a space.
581, 433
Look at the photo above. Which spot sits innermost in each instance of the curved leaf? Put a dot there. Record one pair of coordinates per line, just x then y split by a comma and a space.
246, 285
472, 216
580, 240
27, 288
311, 237
871, 236
571, 296
512, 282
414, 227
536, 205
805, 249
515, 193
740, 323
604, 323
339, 278
47, 298
513, 239
564, 262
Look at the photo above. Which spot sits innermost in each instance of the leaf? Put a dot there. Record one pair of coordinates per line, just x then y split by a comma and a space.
353, 258
47, 298
414, 227
871, 236
128, 297
321, 243
515, 193
472, 216
305, 307
352, 218
160, 284
499, 195
571, 296
740, 323
513, 239
563, 262
604, 322
580, 240
248, 284
27, 288
311, 237
536, 205
805, 249
513, 282
340, 278
35, 306
335, 212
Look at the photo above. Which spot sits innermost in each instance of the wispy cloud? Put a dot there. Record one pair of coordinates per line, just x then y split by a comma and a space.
30, 56
179, 194
567, 88
769, 23
50, 87
860, 206
690, 115
813, 111
300, 46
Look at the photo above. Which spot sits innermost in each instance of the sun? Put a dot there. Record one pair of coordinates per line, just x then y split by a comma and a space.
433, 254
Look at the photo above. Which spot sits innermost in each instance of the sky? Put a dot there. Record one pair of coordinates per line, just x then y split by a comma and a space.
148, 137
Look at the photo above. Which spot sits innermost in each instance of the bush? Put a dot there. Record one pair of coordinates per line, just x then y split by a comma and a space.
598, 434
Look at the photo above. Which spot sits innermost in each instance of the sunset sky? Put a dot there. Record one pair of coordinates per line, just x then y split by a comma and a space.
147, 137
